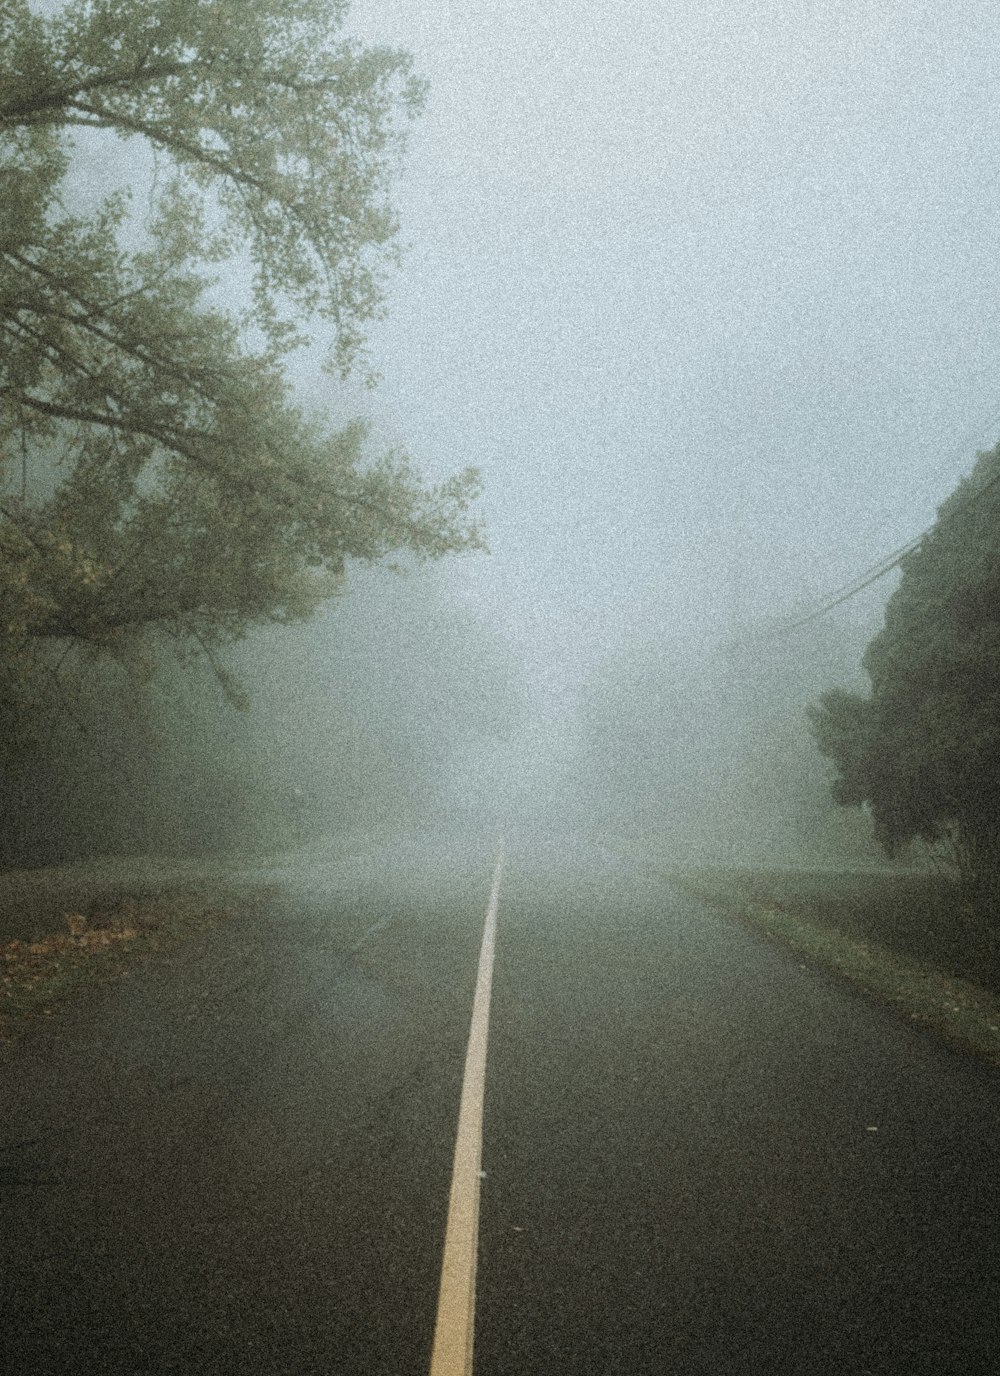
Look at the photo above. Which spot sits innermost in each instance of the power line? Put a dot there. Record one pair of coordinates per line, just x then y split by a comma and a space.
889, 562
852, 589
989, 425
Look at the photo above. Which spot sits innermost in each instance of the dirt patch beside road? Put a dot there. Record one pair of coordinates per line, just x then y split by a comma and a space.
84, 928
34, 903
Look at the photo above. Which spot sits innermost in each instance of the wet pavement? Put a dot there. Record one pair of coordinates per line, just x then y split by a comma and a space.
699, 1156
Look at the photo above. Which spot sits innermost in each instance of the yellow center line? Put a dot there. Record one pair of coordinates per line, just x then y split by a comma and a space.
454, 1329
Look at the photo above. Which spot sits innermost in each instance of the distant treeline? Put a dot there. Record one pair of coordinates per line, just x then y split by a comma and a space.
708, 749
356, 720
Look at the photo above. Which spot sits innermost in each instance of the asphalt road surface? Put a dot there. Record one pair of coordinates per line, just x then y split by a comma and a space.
699, 1156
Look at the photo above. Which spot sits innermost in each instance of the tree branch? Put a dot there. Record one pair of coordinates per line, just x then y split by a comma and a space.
57, 100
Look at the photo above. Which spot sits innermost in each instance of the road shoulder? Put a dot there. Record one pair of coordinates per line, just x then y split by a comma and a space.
960, 1011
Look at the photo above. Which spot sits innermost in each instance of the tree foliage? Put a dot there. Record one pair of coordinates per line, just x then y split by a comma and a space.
157, 478
922, 749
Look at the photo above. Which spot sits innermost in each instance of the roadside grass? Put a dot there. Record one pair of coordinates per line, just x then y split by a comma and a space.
903, 937
95, 945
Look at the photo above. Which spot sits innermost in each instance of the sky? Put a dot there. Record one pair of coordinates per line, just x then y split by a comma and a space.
709, 292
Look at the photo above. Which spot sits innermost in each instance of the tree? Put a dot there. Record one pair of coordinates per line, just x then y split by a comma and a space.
922, 749
157, 480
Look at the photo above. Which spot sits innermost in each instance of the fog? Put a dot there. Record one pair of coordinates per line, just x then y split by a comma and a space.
705, 288
707, 291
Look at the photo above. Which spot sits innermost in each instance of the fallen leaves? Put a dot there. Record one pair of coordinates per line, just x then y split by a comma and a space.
35, 975
79, 937
34, 972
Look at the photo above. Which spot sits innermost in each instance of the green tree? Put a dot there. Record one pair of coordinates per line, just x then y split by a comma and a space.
922, 749
157, 479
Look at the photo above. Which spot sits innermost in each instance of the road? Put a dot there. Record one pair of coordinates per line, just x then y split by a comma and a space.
698, 1156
